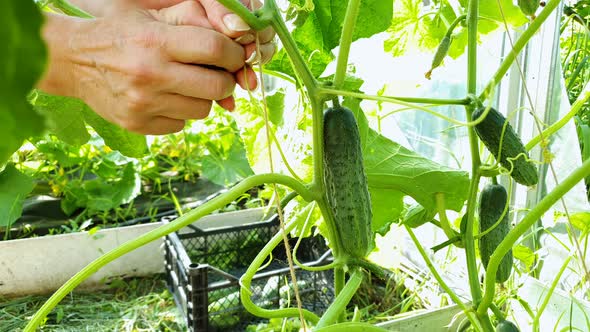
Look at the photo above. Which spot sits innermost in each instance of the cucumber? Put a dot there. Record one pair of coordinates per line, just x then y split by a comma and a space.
506, 326
529, 7
441, 53
490, 132
492, 201
347, 191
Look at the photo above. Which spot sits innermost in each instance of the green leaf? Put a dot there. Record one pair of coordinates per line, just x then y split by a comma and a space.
103, 194
276, 107
414, 25
387, 207
64, 117
14, 188
525, 255
318, 32
229, 168
501, 10
308, 38
391, 166
117, 138
23, 61
581, 221
374, 16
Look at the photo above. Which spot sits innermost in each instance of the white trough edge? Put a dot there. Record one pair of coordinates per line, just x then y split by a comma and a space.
41, 265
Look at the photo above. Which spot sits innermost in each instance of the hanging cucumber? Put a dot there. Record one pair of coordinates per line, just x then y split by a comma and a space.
492, 201
346, 182
441, 53
512, 154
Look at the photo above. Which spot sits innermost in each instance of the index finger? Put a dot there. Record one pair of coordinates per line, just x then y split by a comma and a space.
196, 45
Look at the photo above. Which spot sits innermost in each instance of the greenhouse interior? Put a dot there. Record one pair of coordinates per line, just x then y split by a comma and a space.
295, 165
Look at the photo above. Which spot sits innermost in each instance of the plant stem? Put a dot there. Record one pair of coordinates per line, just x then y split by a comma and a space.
519, 45
549, 293
299, 64
468, 239
339, 304
439, 198
246, 281
345, 41
188, 218
395, 99
470, 314
257, 20
497, 312
576, 106
339, 279
69, 9
534, 214
454, 24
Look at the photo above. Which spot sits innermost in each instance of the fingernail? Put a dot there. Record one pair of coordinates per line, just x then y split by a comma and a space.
267, 50
245, 39
253, 59
235, 23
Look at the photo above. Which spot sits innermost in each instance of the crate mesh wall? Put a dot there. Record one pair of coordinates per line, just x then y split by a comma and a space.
210, 300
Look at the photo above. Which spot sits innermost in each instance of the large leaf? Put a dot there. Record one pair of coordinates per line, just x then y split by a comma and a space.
394, 172
101, 194
318, 32
227, 168
417, 26
128, 143
14, 187
391, 166
23, 60
64, 117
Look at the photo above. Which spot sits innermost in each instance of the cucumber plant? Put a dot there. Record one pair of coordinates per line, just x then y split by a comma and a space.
354, 167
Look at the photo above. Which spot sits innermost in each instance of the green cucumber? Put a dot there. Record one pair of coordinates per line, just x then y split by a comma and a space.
347, 191
506, 326
492, 201
441, 53
512, 155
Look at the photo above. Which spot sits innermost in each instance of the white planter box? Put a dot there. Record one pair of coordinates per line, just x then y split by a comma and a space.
41, 265
438, 320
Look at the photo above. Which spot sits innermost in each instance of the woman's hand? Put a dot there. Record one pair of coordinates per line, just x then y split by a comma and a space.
148, 70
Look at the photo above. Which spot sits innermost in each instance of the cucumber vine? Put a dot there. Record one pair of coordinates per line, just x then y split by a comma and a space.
478, 311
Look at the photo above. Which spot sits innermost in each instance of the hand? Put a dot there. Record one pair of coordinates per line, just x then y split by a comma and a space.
143, 74
210, 14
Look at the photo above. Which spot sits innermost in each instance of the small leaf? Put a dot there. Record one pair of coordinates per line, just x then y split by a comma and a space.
64, 117
276, 107
581, 221
525, 255
14, 188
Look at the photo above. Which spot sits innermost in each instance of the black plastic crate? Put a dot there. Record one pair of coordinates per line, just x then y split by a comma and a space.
203, 267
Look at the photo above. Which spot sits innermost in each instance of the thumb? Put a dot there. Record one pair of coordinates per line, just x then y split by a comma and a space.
224, 21
184, 13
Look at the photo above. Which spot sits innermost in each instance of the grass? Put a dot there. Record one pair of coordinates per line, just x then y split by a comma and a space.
139, 304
